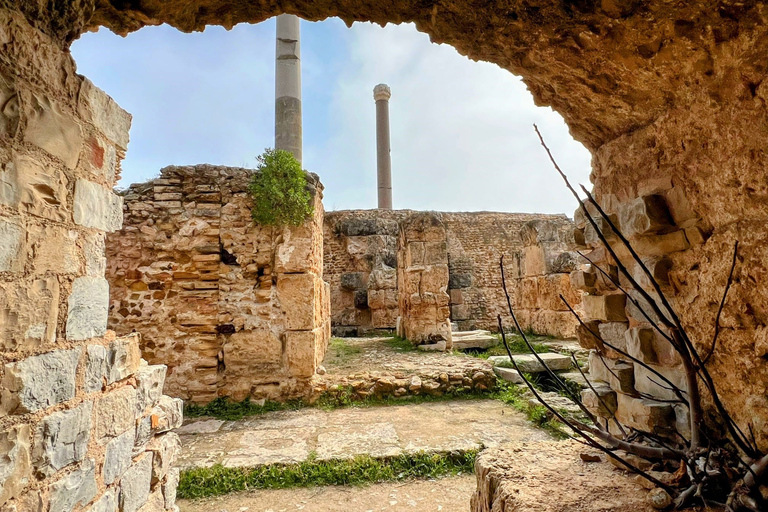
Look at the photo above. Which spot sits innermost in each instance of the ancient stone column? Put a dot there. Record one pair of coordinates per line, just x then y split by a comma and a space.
381, 94
288, 85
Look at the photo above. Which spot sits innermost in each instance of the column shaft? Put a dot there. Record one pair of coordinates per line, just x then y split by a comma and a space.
288, 85
383, 157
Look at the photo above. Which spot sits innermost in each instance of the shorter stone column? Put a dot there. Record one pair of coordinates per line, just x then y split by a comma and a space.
382, 93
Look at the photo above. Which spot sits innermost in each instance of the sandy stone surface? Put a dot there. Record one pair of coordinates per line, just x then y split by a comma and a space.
290, 436
447, 495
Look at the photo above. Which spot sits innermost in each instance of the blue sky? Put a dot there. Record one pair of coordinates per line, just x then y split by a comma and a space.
461, 131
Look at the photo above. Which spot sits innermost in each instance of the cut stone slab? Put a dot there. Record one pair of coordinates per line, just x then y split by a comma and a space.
508, 375
575, 378
528, 363
473, 339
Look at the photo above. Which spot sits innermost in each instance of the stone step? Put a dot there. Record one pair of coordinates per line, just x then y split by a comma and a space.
575, 378
508, 375
475, 341
463, 334
529, 364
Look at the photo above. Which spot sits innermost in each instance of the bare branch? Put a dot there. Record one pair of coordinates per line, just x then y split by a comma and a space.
722, 302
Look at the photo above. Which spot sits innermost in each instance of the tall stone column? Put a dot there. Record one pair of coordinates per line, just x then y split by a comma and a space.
288, 85
382, 93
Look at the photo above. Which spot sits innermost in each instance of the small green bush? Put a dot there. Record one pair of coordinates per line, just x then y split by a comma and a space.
279, 190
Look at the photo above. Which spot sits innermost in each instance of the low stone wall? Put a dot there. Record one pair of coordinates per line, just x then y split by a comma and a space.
233, 308
361, 263
83, 420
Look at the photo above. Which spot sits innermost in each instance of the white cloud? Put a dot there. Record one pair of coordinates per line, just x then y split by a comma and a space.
462, 135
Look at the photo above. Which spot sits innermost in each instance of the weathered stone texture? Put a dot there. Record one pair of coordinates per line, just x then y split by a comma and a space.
232, 308
58, 163
360, 257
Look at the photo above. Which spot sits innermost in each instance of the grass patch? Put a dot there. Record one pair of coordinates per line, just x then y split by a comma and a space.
227, 410
218, 480
514, 395
516, 346
399, 344
339, 348
345, 398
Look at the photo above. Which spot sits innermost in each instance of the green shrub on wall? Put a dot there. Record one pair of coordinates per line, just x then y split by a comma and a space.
279, 190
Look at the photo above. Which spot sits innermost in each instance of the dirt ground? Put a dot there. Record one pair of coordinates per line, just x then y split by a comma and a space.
446, 494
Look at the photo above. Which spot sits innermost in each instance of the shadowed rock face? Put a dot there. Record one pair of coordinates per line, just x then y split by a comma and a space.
608, 67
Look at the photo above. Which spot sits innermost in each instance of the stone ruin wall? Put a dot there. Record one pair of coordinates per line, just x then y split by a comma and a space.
83, 421
233, 308
360, 264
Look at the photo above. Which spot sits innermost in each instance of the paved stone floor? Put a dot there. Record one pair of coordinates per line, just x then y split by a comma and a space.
290, 436
450, 494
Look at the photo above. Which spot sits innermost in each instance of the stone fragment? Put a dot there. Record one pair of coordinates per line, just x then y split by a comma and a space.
607, 308
118, 456
659, 498
114, 413
135, 484
644, 215
124, 358
590, 457
104, 113
613, 333
15, 467
169, 413
11, 245
440, 346
39, 381
62, 439
528, 363
478, 339
29, 310
165, 449
149, 380
508, 375
352, 281
93, 250
649, 383
77, 488
302, 351
660, 245
378, 299
600, 401
618, 373
591, 237
88, 308
95, 368
588, 335
97, 207
642, 414
169, 488
583, 280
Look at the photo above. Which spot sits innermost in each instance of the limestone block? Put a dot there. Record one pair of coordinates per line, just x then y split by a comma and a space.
613, 333
52, 128
169, 488
300, 300
95, 368
34, 188
169, 413
561, 324
166, 448
383, 278
95, 259
618, 373
434, 278
97, 207
360, 300
378, 299
645, 415
591, 237
601, 401
245, 349
77, 488
15, 467
528, 293
29, 311
62, 438
528, 363
124, 357
460, 312
584, 281
607, 308
54, 249
31, 501
508, 374
534, 262
107, 502
457, 296
384, 318
135, 484
649, 383
88, 308
155, 502
9, 115
297, 255
352, 281
586, 335
644, 215
104, 113
659, 245
39, 381
117, 456
12, 246
114, 413
679, 208
551, 287
458, 280
150, 381
300, 351
435, 253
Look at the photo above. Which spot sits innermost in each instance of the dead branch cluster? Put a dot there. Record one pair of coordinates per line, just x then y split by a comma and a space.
717, 464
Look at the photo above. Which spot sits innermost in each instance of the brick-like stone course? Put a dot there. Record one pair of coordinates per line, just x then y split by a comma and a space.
232, 308
68, 403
